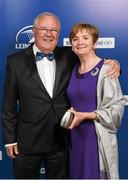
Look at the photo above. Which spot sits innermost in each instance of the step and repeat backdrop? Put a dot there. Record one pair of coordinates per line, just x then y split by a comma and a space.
110, 16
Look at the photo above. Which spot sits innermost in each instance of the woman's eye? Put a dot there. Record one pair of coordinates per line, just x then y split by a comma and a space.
75, 39
85, 38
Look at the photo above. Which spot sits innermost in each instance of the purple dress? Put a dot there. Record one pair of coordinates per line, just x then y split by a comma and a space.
84, 156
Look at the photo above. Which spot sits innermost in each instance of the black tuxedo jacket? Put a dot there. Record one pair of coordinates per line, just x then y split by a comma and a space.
32, 123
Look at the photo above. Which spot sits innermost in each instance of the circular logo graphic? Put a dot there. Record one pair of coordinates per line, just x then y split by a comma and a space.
25, 35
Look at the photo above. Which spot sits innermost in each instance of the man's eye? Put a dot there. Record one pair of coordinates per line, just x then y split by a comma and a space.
43, 29
54, 31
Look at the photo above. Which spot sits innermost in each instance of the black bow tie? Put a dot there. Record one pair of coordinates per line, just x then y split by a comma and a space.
40, 56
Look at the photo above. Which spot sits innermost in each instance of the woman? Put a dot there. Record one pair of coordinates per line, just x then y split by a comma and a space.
98, 106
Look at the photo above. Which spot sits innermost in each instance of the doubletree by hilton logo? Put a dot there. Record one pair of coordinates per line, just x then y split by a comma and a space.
24, 37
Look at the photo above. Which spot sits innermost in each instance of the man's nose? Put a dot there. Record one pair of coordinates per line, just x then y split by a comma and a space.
48, 32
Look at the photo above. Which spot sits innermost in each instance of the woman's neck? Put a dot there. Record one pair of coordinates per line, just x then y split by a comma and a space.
88, 62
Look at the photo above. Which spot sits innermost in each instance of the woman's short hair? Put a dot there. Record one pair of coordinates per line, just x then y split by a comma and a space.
91, 29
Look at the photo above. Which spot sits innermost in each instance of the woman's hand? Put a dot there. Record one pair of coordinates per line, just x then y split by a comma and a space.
81, 116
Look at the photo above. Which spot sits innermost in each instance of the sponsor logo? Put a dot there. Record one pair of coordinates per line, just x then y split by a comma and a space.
0, 155
105, 42
42, 170
24, 37
66, 42
126, 96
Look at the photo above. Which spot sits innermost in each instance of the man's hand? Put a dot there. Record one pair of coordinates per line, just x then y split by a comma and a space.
114, 70
12, 151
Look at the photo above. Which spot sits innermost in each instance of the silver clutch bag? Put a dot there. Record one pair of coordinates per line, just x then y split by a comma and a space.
66, 119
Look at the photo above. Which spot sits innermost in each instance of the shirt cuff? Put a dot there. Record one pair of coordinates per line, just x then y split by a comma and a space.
6, 145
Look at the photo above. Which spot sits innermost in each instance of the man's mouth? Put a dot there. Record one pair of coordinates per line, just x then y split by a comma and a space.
48, 40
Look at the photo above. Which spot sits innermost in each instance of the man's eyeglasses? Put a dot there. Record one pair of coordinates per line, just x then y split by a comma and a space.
44, 30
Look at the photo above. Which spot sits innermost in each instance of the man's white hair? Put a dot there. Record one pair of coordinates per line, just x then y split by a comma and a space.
46, 14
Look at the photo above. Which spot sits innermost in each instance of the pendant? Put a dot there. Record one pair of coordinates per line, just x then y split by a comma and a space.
95, 71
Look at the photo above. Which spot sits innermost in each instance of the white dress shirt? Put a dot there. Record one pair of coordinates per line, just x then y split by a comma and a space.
46, 70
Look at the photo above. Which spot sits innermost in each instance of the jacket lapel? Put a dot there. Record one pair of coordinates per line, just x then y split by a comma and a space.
30, 59
58, 74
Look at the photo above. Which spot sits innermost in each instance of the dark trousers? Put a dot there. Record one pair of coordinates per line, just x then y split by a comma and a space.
55, 161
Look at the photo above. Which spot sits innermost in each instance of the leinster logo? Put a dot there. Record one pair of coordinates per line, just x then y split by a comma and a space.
24, 37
